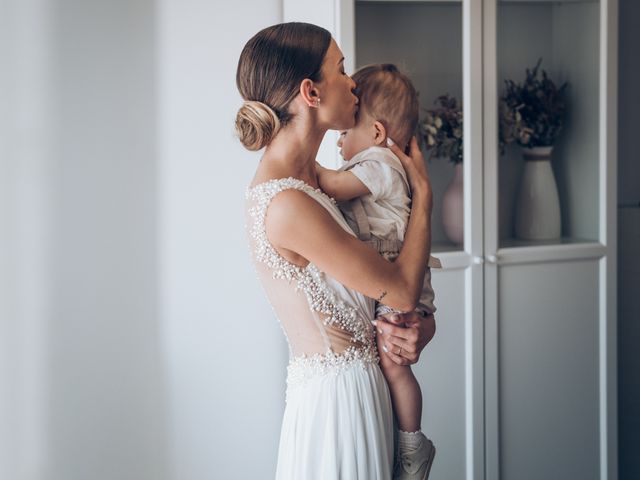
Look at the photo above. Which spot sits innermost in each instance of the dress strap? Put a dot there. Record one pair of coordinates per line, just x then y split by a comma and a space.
261, 195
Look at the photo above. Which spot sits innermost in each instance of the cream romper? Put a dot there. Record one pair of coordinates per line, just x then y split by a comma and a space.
380, 218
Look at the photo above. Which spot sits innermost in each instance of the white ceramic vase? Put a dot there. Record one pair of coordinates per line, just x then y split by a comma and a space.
538, 206
452, 207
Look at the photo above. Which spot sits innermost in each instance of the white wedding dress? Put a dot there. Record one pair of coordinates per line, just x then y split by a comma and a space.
338, 420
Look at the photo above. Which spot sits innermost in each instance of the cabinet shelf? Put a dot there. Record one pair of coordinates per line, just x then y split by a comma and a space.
566, 249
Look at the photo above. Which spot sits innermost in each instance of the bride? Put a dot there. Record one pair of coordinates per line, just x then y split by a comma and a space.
320, 279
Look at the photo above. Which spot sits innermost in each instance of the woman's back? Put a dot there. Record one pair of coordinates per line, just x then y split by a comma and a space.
338, 417
318, 314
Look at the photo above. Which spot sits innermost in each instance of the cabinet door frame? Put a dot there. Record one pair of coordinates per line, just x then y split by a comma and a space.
473, 81
603, 250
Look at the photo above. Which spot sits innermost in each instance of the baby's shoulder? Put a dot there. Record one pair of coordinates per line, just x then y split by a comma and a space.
388, 166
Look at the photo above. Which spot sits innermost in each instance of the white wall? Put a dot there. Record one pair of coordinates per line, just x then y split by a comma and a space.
106, 410
225, 352
81, 374
25, 234
135, 342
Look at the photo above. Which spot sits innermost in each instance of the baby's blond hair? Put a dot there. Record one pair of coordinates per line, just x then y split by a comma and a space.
388, 96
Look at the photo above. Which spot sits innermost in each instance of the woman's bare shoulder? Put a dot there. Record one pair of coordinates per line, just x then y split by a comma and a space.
292, 205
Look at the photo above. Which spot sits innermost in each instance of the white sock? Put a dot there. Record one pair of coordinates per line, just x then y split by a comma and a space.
409, 441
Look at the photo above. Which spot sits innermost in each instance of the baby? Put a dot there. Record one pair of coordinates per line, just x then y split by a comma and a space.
373, 193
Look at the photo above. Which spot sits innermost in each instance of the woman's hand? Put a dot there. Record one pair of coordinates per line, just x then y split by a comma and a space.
415, 167
404, 336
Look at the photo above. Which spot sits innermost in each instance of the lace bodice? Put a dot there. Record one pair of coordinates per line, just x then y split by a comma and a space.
327, 325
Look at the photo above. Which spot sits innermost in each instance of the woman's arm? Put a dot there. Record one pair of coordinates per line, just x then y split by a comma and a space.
298, 226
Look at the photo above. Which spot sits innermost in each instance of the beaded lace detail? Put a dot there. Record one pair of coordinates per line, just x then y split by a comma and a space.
310, 280
304, 368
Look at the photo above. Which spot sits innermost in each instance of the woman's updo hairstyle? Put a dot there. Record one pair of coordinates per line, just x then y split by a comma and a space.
271, 67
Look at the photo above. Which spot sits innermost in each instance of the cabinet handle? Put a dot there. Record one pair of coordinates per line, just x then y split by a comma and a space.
492, 259
478, 260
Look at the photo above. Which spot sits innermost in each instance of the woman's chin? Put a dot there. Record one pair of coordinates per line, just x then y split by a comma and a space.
348, 124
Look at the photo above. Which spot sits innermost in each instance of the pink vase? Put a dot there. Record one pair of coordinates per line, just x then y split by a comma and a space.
453, 207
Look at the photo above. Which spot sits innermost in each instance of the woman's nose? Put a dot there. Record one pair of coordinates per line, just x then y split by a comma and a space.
353, 84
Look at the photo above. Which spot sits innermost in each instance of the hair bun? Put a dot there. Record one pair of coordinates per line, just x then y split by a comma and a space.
256, 124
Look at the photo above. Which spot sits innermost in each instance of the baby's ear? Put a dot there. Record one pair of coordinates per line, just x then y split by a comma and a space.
380, 133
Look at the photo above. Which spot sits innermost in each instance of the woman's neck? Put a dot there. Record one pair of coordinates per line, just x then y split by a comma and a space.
293, 152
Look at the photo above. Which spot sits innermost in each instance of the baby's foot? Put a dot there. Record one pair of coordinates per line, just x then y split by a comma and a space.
415, 464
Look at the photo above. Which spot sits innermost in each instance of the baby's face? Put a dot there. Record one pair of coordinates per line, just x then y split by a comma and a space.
357, 139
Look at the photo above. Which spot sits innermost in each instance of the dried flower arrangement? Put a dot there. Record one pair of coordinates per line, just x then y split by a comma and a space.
442, 129
532, 114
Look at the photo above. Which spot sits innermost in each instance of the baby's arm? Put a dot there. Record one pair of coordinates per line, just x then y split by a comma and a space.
341, 186
426, 304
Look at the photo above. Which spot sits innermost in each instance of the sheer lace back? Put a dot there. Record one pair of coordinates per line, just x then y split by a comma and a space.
326, 324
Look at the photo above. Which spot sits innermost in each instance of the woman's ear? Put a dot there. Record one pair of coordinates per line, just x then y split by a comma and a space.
309, 93
380, 133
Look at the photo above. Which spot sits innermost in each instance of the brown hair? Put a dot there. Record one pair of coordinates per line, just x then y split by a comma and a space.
271, 67
388, 96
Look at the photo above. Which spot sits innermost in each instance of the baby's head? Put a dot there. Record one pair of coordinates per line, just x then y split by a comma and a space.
388, 107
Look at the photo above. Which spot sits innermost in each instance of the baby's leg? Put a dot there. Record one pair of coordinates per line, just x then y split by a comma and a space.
405, 391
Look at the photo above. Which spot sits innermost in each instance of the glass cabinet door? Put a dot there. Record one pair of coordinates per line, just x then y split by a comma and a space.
438, 44
424, 39
562, 39
546, 311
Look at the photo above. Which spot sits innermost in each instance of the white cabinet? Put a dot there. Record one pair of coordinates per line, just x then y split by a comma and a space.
520, 380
